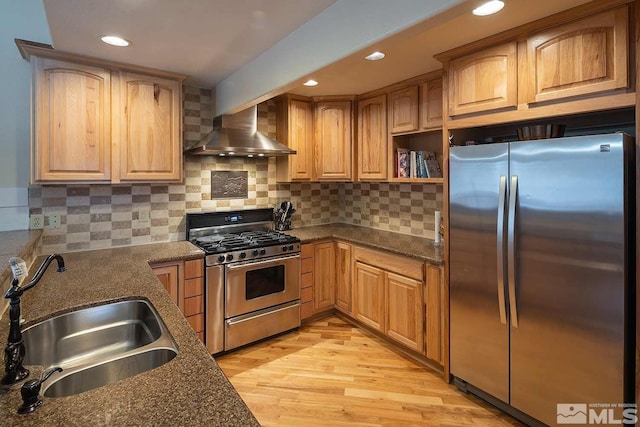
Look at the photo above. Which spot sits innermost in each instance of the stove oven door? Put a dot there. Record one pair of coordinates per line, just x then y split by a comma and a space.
258, 285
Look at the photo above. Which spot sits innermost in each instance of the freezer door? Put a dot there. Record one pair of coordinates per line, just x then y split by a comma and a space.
569, 272
479, 335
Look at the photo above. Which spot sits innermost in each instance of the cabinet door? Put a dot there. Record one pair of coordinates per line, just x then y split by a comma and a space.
343, 277
404, 310
403, 114
372, 138
325, 273
431, 104
369, 295
295, 129
483, 81
434, 313
579, 58
333, 140
169, 277
150, 142
71, 122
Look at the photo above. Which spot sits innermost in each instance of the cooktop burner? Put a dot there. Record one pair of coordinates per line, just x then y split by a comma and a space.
238, 236
218, 243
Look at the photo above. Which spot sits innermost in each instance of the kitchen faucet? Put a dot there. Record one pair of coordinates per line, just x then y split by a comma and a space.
15, 350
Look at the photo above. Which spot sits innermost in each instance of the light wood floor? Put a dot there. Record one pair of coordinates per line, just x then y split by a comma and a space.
330, 373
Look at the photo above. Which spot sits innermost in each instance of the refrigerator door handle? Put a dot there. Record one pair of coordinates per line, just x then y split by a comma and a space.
502, 196
511, 262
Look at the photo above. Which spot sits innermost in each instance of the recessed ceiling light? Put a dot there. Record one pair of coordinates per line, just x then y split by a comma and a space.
231, 153
488, 8
114, 41
261, 155
221, 154
310, 82
375, 56
249, 155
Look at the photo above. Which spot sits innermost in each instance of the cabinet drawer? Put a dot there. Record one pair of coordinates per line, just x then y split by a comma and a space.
306, 250
306, 280
193, 287
193, 305
395, 263
307, 265
306, 295
306, 310
193, 268
197, 322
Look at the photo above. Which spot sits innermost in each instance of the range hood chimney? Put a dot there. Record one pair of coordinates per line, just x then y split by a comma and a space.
237, 135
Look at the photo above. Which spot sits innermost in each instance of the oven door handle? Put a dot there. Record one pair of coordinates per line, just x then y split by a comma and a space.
261, 313
257, 263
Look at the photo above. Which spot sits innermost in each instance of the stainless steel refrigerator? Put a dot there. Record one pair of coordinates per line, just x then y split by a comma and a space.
541, 273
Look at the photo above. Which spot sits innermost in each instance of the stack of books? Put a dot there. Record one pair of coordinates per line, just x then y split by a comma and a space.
417, 164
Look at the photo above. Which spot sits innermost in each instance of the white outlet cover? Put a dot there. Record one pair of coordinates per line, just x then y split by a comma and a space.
36, 221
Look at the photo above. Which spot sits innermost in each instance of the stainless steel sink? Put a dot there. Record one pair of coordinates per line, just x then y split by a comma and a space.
98, 345
108, 372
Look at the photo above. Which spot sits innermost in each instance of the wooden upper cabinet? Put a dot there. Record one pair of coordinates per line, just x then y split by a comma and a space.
72, 121
579, 58
150, 141
431, 104
333, 140
295, 130
483, 81
403, 110
372, 138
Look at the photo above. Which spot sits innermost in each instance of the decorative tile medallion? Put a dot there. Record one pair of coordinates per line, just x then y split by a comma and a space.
229, 184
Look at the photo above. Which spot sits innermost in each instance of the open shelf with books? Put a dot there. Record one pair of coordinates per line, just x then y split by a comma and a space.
417, 157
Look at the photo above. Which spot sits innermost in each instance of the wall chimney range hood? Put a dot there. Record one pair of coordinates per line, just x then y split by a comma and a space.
237, 135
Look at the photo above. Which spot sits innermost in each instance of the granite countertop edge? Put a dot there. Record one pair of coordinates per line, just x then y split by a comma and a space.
191, 389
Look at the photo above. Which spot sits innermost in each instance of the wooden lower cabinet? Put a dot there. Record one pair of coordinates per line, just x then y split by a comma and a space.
404, 310
184, 281
324, 276
343, 277
306, 281
169, 276
434, 314
369, 295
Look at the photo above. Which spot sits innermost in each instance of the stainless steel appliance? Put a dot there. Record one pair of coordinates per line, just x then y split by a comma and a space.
541, 272
252, 277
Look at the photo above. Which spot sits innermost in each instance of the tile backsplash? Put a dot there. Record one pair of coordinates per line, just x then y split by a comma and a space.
99, 216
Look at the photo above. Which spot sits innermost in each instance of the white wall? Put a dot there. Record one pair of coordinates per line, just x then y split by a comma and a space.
341, 29
23, 19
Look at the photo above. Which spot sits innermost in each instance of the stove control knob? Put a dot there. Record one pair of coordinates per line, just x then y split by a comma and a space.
229, 257
243, 255
284, 249
290, 247
255, 252
262, 251
221, 258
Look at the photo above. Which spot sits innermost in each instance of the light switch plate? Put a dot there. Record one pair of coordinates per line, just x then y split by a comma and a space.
54, 221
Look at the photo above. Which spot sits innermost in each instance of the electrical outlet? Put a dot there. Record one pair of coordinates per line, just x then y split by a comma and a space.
143, 215
36, 221
54, 221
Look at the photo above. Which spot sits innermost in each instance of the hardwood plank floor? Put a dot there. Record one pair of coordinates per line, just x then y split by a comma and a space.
331, 373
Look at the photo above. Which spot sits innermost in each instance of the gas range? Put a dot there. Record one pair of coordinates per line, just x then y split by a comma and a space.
252, 276
245, 246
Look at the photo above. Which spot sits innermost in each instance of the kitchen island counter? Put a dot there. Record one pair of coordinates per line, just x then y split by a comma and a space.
403, 244
188, 390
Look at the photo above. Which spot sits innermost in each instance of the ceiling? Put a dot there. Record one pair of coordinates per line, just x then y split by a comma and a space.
205, 39
211, 39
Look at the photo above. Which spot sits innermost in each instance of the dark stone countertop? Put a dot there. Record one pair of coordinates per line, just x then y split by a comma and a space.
189, 390
15, 243
403, 244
